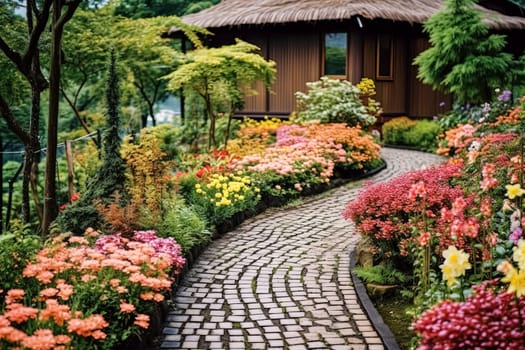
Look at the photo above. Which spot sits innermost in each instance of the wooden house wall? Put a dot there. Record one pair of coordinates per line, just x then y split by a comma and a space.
298, 61
423, 100
299, 55
391, 93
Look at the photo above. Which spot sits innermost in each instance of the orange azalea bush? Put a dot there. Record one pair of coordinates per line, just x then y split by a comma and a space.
82, 294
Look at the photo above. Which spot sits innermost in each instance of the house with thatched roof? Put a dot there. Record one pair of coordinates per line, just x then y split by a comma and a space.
347, 39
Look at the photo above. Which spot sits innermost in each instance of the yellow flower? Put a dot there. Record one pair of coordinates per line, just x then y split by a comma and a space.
197, 186
516, 282
519, 254
448, 275
218, 195
514, 191
455, 264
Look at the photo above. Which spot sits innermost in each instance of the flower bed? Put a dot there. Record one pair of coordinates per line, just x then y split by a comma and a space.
456, 229
89, 292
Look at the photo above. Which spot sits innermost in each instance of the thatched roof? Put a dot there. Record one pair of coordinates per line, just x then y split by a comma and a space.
230, 13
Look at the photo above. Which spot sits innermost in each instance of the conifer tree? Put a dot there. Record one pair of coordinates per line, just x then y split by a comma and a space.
109, 179
464, 58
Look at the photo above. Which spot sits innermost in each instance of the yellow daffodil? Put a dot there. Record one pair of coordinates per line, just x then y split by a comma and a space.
514, 191
455, 264
519, 254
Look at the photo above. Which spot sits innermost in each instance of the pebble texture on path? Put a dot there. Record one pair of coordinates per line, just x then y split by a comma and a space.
281, 279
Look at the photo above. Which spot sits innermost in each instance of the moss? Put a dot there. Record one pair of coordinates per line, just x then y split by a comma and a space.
397, 312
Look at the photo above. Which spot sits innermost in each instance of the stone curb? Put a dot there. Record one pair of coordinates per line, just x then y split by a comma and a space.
389, 341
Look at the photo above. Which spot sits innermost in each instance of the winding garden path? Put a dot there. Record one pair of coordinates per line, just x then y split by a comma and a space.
281, 280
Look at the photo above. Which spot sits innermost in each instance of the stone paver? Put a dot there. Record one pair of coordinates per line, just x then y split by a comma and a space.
281, 280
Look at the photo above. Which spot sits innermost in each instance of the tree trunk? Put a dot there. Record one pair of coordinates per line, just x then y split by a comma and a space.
50, 200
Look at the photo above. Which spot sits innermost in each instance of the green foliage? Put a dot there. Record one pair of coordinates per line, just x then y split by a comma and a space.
393, 130
183, 224
78, 217
464, 59
222, 77
17, 248
421, 134
499, 104
333, 101
381, 274
152, 8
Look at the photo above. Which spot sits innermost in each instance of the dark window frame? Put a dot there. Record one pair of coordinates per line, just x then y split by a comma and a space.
347, 54
381, 59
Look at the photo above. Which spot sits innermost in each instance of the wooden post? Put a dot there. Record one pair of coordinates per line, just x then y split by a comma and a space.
70, 172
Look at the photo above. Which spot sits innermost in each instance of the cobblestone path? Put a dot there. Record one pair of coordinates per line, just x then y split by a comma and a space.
281, 280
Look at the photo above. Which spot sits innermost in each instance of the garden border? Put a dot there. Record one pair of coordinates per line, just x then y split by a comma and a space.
389, 341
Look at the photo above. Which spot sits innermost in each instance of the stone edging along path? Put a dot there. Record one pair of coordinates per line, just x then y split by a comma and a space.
281, 280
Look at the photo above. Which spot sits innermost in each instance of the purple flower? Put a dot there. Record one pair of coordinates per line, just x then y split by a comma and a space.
516, 235
505, 96
442, 104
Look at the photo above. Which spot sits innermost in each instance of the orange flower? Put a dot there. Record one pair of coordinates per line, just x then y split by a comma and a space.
42, 339
115, 282
12, 334
14, 295
147, 296
20, 313
79, 240
59, 313
126, 308
45, 277
62, 339
48, 293
142, 320
66, 290
88, 327
158, 297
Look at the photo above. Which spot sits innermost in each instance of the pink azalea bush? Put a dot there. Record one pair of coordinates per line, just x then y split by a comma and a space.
388, 212
83, 295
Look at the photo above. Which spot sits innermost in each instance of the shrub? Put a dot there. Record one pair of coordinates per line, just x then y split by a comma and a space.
394, 130
421, 134
219, 197
333, 101
486, 320
183, 224
89, 295
385, 212
17, 248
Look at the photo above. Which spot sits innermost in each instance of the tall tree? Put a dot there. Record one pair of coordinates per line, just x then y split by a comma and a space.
23, 53
62, 13
464, 59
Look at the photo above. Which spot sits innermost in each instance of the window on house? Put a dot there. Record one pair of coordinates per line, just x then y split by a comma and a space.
385, 57
335, 54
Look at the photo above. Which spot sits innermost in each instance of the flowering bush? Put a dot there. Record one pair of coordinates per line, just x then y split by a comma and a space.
89, 295
287, 170
488, 319
335, 101
389, 212
254, 136
220, 196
